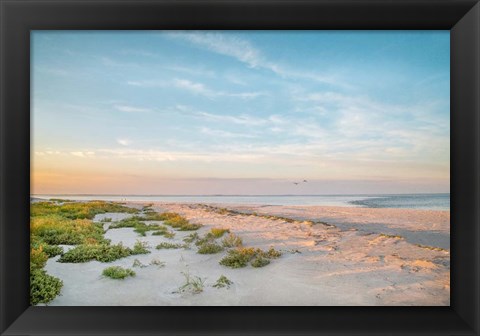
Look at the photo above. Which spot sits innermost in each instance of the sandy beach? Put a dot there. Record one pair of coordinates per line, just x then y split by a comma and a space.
330, 256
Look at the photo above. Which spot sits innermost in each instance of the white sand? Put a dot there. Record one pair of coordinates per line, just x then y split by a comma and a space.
350, 264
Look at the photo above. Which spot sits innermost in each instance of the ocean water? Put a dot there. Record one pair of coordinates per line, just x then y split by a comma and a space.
410, 201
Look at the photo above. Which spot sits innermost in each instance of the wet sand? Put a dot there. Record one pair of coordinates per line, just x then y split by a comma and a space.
348, 256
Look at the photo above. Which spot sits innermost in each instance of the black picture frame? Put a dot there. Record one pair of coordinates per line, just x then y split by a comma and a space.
19, 17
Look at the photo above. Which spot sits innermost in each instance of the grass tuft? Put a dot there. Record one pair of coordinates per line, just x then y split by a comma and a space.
232, 240
218, 232
165, 245
210, 248
140, 248
223, 281
193, 284
117, 272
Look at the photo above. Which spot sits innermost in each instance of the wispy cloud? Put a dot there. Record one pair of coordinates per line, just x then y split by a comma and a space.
124, 142
225, 134
245, 52
87, 154
196, 88
132, 109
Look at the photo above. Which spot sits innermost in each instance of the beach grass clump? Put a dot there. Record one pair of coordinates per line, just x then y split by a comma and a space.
272, 253
99, 252
140, 248
241, 256
178, 222
38, 258
222, 282
43, 287
52, 250
210, 248
77, 210
165, 245
431, 248
218, 232
191, 238
106, 220
232, 240
117, 272
260, 261
193, 284
139, 227
56, 230
390, 236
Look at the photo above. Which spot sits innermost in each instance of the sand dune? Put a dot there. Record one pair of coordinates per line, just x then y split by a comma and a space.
358, 256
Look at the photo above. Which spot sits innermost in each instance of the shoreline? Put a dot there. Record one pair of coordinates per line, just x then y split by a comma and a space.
324, 261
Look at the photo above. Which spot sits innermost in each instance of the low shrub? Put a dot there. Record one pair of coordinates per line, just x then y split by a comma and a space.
164, 245
260, 261
191, 238
232, 240
57, 230
210, 248
218, 232
101, 252
43, 287
117, 272
223, 281
239, 257
140, 248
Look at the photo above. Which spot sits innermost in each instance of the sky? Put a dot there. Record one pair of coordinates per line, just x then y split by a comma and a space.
240, 112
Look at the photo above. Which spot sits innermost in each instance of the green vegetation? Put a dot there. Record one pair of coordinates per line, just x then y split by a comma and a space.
106, 220
232, 240
55, 230
140, 248
210, 248
43, 287
178, 222
69, 223
139, 227
241, 256
193, 284
432, 248
390, 236
169, 246
272, 253
117, 272
218, 232
99, 252
191, 238
260, 261
77, 210
223, 281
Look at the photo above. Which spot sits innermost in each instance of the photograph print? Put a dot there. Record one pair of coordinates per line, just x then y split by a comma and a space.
240, 168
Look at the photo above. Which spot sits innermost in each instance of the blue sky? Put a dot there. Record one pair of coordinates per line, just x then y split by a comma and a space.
172, 112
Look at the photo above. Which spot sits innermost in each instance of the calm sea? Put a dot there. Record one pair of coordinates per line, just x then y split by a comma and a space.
410, 201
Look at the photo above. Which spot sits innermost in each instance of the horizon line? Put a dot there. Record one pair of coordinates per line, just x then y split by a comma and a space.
240, 195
